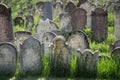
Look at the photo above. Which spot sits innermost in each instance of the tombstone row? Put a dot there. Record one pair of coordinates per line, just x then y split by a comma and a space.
31, 57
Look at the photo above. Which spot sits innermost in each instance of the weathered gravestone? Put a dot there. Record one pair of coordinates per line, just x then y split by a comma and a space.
70, 7
8, 59
115, 45
59, 58
29, 22
116, 51
57, 9
81, 2
20, 36
89, 8
47, 10
65, 22
30, 56
18, 21
87, 63
77, 40
78, 19
47, 40
6, 30
40, 6
117, 20
116, 55
99, 24
45, 26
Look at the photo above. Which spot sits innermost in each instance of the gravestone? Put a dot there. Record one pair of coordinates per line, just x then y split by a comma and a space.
115, 45
89, 8
70, 7
6, 30
47, 10
78, 19
29, 22
47, 40
65, 22
40, 6
59, 57
91, 59
8, 59
18, 21
87, 63
45, 26
30, 56
77, 40
117, 20
20, 36
57, 9
99, 24
81, 2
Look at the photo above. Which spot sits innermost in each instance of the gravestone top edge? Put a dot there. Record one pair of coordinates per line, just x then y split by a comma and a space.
25, 32
11, 44
4, 10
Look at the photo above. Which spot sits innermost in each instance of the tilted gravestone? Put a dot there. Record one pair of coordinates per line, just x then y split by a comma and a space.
6, 30
45, 26
29, 22
8, 59
77, 40
99, 24
57, 9
59, 57
47, 40
18, 21
47, 10
65, 23
30, 56
70, 7
89, 7
78, 19
117, 20
20, 36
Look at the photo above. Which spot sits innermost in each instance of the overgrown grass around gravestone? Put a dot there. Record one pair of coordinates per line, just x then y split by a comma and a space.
108, 69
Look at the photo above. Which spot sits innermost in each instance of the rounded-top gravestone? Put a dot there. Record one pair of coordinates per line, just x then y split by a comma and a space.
8, 59
99, 24
30, 56
6, 30
77, 40
78, 19
70, 7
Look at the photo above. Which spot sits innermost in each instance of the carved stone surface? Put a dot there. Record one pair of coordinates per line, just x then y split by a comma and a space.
59, 57
70, 7
65, 22
8, 59
89, 8
99, 24
45, 26
6, 30
117, 20
30, 56
78, 19
77, 40
20, 36
47, 40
